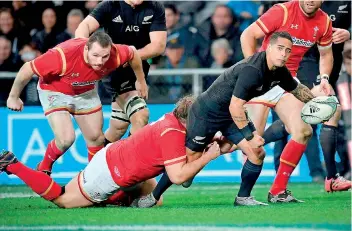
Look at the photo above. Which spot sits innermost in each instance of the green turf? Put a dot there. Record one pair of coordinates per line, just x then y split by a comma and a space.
202, 204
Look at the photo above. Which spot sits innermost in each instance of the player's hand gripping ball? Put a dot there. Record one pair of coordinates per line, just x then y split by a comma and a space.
319, 109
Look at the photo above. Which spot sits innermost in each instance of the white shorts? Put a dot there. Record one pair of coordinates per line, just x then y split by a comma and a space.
82, 104
95, 181
271, 98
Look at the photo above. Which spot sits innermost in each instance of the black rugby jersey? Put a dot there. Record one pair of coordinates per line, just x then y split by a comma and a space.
129, 26
246, 79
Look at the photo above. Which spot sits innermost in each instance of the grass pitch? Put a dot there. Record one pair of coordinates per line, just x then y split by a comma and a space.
201, 207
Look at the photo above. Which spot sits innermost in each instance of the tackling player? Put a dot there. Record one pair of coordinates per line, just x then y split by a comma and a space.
67, 76
157, 147
221, 108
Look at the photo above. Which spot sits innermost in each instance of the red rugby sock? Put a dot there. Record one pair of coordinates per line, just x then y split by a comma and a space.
39, 182
290, 157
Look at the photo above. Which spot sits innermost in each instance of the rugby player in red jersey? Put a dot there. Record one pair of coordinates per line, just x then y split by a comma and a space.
157, 147
67, 76
308, 25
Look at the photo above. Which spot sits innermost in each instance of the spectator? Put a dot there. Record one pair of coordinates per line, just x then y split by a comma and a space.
220, 26
246, 11
6, 60
221, 52
46, 38
23, 14
174, 85
89, 6
74, 18
13, 32
6, 64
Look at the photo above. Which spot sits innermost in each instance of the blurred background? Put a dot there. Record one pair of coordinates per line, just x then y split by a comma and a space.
203, 39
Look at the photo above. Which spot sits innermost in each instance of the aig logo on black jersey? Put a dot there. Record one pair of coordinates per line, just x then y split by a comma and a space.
132, 28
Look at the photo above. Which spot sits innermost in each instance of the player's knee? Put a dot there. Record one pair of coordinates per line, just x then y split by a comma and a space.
136, 110
65, 142
97, 138
261, 154
303, 132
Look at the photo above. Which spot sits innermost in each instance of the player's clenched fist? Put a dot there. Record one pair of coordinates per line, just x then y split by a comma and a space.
14, 104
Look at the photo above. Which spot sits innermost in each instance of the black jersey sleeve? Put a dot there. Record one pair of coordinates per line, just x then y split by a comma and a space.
249, 79
102, 12
287, 82
158, 23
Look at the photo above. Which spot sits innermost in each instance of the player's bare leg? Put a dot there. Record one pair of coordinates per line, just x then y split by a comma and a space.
258, 114
328, 141
44, 185
118, 124
130, 109
91, 126
62, 127
72, 198
135, 109
289, 110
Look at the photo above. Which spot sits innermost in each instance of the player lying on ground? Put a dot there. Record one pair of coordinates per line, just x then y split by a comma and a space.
157, 147
221, 108
67, 76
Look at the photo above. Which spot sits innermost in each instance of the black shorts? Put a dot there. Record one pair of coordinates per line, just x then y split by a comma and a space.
201, 128
307, 72
123, 80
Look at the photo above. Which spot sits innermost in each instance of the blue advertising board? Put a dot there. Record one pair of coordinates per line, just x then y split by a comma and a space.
28, 132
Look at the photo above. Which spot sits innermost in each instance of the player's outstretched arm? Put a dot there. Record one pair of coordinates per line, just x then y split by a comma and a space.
22, 78
86, 27
136, 65
325, 67
181, 172
249, 39
302, 93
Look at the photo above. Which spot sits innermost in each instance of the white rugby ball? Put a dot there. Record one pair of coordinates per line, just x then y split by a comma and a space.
319, 109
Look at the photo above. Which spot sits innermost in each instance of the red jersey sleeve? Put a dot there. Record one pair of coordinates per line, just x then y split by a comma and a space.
273, 19
125, 53
48, 64
326, 39
173, 149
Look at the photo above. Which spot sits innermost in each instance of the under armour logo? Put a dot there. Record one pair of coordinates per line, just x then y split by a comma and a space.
294, 26
75, 75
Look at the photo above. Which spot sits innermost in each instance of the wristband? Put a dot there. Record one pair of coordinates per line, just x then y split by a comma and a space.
247, 133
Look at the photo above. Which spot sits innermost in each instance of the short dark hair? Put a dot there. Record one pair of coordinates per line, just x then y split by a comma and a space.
183, 106
280, 34
172, 7
102, 38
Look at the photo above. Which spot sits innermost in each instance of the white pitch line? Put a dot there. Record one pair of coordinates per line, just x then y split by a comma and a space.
155, 228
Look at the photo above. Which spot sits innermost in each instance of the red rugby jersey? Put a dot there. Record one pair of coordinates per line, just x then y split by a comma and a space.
145, 154
63, 68
305, 31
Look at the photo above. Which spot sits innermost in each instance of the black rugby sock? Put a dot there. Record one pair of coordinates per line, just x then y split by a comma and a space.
328, 140
163, 184
275, 132
249, 175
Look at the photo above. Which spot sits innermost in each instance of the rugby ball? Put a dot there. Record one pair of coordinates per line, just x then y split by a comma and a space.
319, 109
